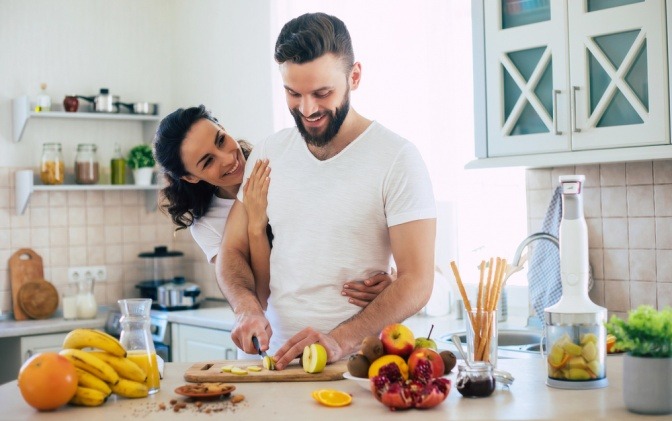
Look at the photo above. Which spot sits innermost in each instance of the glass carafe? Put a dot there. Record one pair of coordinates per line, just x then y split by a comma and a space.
87, 308
137, 338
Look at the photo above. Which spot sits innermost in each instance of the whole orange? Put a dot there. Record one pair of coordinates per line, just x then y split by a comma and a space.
47, 381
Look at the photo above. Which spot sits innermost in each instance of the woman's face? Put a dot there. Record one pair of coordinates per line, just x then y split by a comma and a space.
211, 155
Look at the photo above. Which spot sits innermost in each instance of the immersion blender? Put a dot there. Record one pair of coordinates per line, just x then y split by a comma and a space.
575, 331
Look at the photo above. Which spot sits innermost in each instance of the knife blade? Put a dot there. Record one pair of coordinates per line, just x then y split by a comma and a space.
255, 342
269, 362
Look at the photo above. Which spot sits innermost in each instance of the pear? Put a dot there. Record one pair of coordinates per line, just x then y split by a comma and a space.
426, 342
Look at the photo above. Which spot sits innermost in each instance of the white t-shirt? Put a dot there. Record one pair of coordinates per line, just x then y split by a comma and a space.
208, 229
330, 221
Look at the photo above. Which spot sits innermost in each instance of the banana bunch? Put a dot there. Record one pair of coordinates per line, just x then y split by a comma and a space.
102, 368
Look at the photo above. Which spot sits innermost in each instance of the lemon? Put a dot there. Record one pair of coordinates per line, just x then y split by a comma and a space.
589, 351
385, 360
314, 358
268, 363
572, 349
226, 368
239, 371
330, 397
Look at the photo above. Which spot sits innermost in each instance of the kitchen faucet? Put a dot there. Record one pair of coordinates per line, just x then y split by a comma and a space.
536, 236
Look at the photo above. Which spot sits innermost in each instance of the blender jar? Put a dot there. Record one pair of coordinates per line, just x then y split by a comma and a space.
162, 265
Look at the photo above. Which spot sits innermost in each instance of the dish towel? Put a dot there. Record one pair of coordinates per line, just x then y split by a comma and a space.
543, 275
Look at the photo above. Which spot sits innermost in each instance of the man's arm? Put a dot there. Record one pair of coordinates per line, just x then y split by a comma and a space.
236, 281
413, 251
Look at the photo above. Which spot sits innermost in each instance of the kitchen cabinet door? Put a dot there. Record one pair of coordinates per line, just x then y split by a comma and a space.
572, 75
31, 345
194, 344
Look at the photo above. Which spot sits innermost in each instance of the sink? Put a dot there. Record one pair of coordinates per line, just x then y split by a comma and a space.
522, 343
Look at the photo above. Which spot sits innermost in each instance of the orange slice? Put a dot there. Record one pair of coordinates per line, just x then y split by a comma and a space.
330, 397
611, 341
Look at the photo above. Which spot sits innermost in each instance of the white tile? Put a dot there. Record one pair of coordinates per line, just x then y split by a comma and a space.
639, 173
642, 293
58, 237
57, 199
615, 233
113, 235
662, 171
616, 264
39, 237
39, 199
617, 295
59, 256
112, 198
538, 179
558, 171
664, 233
20, 238
664, 295
642, 233
592, 202
95, 236
77, 236
594, 232
112, 215
95, 215
5, 238
95, 198
4, 197
5, 218
113, 254
78, 256
597, 293
76, 198
39, 216
640, 200
642, 265
596, 258
592, 173
538, 201
58, 217
76, 216
664, 265
612, 174
662, 194
614, 202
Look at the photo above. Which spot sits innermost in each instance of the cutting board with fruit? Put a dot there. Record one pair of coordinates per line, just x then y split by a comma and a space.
24, 266
212, 372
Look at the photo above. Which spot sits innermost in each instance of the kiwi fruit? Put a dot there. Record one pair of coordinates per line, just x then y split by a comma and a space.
358, 365
449, 361
372, 348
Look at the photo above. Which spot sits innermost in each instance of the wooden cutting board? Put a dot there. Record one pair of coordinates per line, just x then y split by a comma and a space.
24, 266
38, 299
211, 372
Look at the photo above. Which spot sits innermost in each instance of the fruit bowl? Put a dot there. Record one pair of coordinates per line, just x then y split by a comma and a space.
363, 382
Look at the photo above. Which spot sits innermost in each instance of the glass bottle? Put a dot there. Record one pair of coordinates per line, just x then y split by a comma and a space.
52, 167
43, 101
475, 380
137, 338
87, 308
86, 164
118, 166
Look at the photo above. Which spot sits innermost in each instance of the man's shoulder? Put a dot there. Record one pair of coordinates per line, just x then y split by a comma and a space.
279, 139
385, 136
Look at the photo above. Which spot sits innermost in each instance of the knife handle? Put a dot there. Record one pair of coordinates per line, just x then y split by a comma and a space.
255, 342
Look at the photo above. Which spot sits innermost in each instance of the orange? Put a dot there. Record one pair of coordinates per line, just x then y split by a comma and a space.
385, 360
611, 341
47, 381
330, 397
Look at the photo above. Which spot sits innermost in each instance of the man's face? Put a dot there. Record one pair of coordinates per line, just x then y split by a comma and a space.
318, 97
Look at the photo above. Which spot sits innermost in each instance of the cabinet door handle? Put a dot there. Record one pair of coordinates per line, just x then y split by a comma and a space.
574, 128
556, 92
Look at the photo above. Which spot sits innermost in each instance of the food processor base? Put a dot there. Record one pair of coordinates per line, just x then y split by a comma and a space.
582, 385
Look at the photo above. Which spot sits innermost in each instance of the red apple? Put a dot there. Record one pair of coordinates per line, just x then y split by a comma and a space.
434, 358
397, 340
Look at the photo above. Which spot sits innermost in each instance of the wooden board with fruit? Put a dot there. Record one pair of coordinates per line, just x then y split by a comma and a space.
250, 371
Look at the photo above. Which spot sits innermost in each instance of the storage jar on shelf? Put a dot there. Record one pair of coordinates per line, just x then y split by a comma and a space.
52, 167
86, 164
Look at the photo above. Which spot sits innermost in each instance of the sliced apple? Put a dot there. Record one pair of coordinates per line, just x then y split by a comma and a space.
239, 371
268, 363
226, 368
255, 368
314, 358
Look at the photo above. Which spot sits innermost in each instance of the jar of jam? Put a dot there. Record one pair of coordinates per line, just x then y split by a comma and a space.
86, 164
476, 380
52, 167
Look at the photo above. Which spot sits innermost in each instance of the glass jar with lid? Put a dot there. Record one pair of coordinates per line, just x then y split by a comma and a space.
52, 167
475, 380
86, 164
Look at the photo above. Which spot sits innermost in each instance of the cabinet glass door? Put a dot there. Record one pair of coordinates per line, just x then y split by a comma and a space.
526, 74
618, 73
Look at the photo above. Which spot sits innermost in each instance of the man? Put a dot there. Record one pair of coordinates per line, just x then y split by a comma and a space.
347, 195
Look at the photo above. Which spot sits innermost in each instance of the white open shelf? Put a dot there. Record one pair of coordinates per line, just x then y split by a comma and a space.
25, 184
22, 113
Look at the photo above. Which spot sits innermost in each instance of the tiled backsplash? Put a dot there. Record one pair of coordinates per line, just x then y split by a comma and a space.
628, 210
92, 228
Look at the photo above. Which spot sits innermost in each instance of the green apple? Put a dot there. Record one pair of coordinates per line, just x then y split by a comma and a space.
314, 358
425, 343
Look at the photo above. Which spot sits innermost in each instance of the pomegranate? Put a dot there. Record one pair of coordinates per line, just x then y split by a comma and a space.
419, 391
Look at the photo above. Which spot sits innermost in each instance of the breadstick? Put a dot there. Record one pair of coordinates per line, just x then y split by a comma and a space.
479, 302
460, 286
488, 285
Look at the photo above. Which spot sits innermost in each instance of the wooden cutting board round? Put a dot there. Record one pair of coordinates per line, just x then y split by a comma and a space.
38, 299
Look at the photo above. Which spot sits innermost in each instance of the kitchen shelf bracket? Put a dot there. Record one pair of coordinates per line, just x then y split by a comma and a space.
24, 186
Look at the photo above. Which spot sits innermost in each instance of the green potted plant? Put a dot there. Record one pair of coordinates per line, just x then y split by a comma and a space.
141, 161
646, 337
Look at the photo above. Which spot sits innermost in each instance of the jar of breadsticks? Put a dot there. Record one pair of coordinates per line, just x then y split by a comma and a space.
52, 167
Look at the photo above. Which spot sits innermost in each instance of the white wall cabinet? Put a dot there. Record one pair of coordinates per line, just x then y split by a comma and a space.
570, 81
194, 344
31, 345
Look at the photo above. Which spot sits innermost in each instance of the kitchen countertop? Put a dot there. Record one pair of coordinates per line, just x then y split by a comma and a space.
527, 398
54, 324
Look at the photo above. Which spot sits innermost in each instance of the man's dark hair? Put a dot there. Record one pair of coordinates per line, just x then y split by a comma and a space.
310, 36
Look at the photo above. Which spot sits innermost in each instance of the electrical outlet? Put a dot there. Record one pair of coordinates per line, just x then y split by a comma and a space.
98, 273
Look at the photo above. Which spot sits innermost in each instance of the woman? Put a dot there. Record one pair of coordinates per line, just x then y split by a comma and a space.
204, 169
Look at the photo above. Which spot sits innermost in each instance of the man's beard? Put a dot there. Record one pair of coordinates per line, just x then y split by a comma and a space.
335, 122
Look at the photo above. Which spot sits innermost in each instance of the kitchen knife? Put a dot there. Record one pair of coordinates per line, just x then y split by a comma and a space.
269, 362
